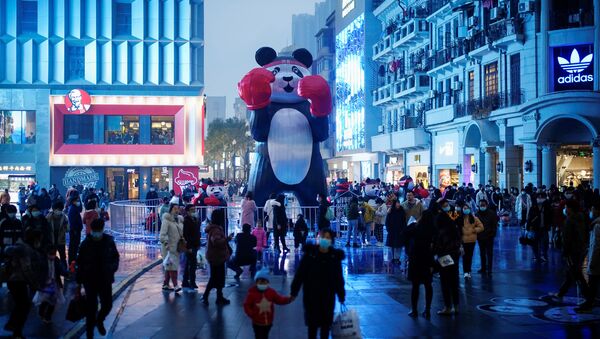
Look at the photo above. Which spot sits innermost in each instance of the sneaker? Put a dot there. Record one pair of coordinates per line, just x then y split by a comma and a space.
167, 288
445, 311
467, 275
100, 327
413, 314
177, 289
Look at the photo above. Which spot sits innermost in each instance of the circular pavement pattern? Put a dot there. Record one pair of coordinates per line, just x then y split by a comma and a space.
506, 309
524, 302
567, 315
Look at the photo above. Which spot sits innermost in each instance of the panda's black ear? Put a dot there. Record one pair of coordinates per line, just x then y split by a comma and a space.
265, 55
304, 56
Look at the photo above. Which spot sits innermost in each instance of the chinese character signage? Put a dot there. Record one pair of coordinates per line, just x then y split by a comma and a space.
78, 101
573, 67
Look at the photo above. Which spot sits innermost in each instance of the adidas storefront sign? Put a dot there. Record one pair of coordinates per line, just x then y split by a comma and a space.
575, 79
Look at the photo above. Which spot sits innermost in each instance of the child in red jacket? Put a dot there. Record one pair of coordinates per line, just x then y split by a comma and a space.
259, 304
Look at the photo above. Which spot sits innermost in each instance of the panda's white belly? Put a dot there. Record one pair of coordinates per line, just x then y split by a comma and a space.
290, 146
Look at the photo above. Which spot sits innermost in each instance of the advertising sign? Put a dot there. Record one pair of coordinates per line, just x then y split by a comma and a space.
84, 176
573, 68
446, 149
183, 176
78, 101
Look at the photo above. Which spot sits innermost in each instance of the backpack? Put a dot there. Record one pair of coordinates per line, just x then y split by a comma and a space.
330, 214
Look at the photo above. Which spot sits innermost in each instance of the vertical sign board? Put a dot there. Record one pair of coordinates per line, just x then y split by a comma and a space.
183, 176
572, 67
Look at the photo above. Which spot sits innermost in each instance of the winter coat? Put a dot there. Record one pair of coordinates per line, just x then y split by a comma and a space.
470, 230
300, 228
369, 213
11, 230
352, 211
75, 220
4, 198
217, 248
420, 238
322, 221
448, 239
320, 276
191, 232
281, 219
170, 233
44, 202
594, 249
523, 200
256, 302
489, 219
381, 214
245, 254
575, 237
269, 211
88, 217
261, 238
415, 211
25, 264
164, 209
248, 212
59, 226
97, 261
395, 224
481, 196
39, 223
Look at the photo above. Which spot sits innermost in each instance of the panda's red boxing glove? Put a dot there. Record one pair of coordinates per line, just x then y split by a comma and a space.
316, 89
255, 88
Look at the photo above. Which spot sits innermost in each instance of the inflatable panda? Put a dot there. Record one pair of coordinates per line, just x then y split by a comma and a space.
289, 109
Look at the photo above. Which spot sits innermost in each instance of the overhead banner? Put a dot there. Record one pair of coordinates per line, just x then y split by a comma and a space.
572, 67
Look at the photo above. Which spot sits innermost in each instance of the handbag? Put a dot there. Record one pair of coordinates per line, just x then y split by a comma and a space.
445, 261
346, 324
181, 244
76, 309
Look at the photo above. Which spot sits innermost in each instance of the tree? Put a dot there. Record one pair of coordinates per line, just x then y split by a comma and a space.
229, 137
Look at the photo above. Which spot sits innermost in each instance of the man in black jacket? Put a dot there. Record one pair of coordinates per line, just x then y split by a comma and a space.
97, 262
485, 239
11, 229
245, 254
191, 234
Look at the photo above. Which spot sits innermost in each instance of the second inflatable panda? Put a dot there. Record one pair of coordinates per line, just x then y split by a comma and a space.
289, 109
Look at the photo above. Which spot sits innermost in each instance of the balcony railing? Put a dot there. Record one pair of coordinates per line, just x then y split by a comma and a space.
476, 41
482, 107
504, 28
451, 51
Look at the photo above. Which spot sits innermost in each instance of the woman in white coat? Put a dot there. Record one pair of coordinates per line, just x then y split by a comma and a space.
171, 232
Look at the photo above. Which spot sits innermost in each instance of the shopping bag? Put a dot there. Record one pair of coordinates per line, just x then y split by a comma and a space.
330, 215
346, 324
201, 261
76, 309
446, 261
169, 262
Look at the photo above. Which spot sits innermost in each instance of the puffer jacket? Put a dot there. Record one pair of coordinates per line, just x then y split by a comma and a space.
217, 248
594, 249
369, 213
470, 230
170, 233
380, 214
59, 227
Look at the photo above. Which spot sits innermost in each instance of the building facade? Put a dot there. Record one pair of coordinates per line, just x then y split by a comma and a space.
101, 93
512, 96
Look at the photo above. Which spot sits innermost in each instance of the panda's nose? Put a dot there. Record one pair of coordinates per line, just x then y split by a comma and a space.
288, 79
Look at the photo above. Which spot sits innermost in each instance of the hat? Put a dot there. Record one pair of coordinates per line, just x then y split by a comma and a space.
174, 201
262, 274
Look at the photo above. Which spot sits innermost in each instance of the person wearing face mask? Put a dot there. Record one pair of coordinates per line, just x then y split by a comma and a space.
522, 206
259, 304
76, 226
90, 214
38, 222
481, 195
593, 254
320, 276
170, 234
546, 221
412, 207
485, 238
471, 226
191, 234
447, 242
575, 245
59, 226
152, 194
217, 254
97, 263
11, 229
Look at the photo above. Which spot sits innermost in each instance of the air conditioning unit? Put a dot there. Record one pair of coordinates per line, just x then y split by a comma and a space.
457, 86
496, 13
432, 93
380, 129
473, 21
462, 31
526, 6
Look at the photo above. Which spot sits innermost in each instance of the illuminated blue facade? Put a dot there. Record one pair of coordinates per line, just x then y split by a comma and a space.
350, 86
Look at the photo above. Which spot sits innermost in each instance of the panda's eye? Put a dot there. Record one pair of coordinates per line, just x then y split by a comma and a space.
297, 71
276, 70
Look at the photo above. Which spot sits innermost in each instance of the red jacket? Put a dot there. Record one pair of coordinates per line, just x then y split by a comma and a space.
259, 305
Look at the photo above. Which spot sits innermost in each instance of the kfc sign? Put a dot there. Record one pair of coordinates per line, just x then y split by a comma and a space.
183, 176
78, 101
573, 67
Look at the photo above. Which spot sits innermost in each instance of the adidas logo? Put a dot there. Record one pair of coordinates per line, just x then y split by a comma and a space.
574, 67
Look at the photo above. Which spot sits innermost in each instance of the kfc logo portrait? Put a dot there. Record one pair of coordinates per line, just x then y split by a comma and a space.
78, 101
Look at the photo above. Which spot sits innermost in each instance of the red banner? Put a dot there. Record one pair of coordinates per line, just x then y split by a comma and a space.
183, 176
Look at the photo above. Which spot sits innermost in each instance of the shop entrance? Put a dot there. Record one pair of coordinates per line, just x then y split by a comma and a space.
123, 183
574, 165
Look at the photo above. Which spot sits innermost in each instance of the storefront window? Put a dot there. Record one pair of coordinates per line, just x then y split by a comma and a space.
78, 129
161, 177
163, 130
17, 127
122, 130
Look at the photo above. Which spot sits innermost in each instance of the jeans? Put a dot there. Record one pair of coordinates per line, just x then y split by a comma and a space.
468, 257
74, 240
189, 272
540, 244
379, 232
353, 230
449, 283
414, 295
261, 332
93, 292
486, 254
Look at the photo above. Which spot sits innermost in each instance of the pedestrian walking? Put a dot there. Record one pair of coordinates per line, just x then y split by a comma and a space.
11, 230
593, 268
97, 263
38, 222
321, 279
259, 304
412, 207
269, 212
471, 226
59, 226
280, 225
396, 224
75, 226
217, 254
522, 207
171, 233
485, 238
447, 248
191, 234
51, 292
